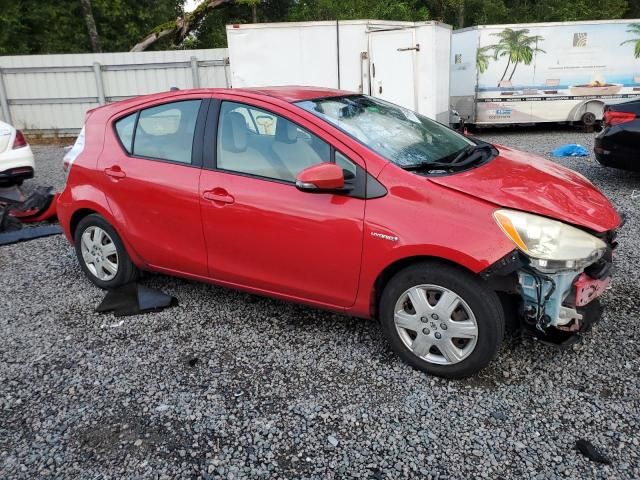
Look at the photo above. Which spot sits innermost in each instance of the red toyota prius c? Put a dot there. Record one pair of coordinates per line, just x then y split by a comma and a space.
344, 202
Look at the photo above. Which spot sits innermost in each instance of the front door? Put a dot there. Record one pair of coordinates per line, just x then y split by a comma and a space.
392, 66
261, 231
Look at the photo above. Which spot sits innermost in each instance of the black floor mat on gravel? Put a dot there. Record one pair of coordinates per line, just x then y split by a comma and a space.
24, 234
134, 299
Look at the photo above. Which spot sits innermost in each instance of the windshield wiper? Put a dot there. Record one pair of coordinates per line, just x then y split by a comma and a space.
466, 156
469, 151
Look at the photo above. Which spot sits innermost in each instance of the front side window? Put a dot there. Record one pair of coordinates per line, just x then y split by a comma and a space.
166, 132
257, 142
398, 134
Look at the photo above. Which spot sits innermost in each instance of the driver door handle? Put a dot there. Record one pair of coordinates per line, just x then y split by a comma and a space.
219, 195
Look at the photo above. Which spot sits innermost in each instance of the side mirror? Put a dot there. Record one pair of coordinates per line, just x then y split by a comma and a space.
324, 177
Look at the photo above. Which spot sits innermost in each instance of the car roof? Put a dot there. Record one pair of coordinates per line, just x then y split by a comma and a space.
295, 93
289, 94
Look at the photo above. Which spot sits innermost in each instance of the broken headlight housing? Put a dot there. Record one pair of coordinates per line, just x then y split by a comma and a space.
551, 245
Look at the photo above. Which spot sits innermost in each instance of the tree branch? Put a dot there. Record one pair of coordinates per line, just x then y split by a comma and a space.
90, 21
181, 27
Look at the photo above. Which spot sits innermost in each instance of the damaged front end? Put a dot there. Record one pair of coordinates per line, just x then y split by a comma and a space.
557, 272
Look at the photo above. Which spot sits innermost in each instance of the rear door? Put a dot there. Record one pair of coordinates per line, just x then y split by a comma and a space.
151, 168
392, 66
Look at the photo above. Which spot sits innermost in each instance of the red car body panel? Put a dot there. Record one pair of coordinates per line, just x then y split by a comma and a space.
527, 182
157, 203
277, 238
451, 235
326, 249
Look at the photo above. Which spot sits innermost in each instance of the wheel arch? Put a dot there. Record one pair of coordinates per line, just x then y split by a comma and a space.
77, 216
594, 106
88, 209
399, 264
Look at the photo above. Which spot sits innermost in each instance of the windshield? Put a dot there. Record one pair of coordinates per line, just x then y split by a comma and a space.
398, 134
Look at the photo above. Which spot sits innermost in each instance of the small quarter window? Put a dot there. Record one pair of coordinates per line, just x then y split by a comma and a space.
348, 167
125, 127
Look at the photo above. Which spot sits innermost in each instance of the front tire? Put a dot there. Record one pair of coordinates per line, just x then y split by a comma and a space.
442, 320
101, 253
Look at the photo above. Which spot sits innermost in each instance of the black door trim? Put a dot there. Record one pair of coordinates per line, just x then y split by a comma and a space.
210, 137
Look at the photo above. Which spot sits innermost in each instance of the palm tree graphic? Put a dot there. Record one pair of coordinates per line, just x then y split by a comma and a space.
518, 46
482, 58
634, 28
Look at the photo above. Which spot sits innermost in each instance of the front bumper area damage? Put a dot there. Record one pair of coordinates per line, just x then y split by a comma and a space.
554, 307
555, 300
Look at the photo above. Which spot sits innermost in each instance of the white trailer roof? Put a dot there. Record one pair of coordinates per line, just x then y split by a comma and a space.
381, 23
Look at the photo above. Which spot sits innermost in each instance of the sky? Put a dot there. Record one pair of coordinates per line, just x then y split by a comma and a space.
190, 5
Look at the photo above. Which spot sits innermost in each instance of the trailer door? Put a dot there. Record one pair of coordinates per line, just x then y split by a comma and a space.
392, 57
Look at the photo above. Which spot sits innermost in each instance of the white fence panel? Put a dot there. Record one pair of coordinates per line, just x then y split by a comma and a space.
51, 93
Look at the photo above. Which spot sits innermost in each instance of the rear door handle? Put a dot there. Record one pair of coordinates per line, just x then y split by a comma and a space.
219, 195
115, 172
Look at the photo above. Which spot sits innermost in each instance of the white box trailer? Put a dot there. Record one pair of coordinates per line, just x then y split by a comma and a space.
403, 62
544, 72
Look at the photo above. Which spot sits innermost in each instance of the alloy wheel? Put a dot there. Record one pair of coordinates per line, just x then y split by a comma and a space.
436, 324
99, 253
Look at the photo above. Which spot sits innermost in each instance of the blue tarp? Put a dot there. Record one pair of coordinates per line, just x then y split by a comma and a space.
570, 150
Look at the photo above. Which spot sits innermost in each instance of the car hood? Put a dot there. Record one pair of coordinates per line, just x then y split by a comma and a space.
530, 183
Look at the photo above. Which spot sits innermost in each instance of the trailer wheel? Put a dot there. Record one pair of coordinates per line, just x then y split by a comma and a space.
589, 119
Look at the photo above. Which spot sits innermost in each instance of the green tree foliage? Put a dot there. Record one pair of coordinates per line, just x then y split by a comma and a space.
212, 34
58, 26
409, 10
41, 26
123, 22
562, 10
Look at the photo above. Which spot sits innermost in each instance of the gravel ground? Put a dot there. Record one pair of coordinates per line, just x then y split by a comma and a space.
230, 385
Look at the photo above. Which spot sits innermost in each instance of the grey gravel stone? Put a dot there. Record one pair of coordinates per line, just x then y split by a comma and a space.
75, 398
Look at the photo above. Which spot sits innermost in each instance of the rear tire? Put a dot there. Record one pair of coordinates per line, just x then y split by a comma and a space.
102, 254
455, 330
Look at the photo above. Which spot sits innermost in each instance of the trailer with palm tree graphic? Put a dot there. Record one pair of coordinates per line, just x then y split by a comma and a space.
544, 72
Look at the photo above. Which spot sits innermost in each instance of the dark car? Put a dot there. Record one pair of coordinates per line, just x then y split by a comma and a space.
618, 144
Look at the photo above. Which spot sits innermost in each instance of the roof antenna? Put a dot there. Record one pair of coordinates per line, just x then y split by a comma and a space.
174, 89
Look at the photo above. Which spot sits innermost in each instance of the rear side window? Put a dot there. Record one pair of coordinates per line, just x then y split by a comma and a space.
125, 127
164, 132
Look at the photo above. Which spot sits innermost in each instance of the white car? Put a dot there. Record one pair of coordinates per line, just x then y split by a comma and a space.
16, 157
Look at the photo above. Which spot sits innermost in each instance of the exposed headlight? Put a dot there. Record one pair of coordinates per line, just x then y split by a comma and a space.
551, 245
